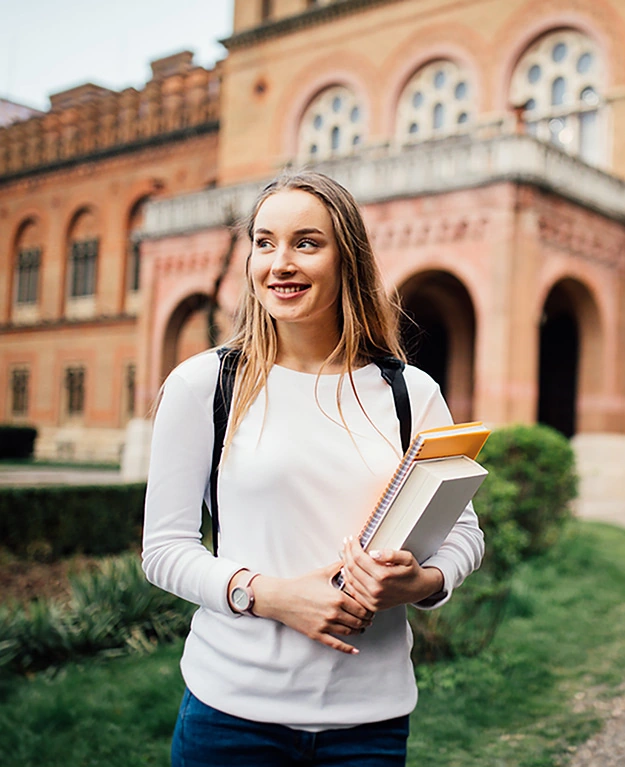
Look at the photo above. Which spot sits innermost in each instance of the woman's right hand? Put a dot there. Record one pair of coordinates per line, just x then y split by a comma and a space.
311, 605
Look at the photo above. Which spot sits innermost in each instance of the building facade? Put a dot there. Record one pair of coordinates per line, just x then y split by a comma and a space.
483, 141
74, 183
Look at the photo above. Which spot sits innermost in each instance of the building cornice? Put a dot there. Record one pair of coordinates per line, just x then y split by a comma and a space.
309, 18
116, 150
434, 167
62, 323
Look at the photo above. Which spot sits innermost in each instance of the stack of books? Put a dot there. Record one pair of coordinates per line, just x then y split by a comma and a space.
435, 480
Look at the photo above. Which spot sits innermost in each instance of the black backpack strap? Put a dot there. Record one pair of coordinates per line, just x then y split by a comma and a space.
228, 363
392, 371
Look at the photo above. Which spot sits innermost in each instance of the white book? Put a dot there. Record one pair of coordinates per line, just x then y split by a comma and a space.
432, 497
422, 509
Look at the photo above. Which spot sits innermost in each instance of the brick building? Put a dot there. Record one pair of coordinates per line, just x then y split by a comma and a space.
482, 139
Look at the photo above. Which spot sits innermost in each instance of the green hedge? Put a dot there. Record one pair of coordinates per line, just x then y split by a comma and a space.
17, 441
50, 522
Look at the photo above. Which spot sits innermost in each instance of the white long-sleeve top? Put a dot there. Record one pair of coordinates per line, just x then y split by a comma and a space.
293, 484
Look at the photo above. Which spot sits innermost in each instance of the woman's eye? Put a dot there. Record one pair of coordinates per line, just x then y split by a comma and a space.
261, 243
308, 244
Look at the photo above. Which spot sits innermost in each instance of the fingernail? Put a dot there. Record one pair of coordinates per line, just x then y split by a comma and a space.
374, 554
355, 651
345, 540
351, 538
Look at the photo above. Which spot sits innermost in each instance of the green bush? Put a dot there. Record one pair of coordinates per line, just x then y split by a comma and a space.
522, 507
111, 609
49, 522
541, 463
17, 441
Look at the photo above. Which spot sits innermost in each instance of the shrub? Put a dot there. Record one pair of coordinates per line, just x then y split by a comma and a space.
541, 463
111, 609
49, 522
522, 506
17, 441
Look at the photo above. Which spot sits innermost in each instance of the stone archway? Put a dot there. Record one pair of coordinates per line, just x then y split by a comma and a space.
569, 358
186, 332
438, 333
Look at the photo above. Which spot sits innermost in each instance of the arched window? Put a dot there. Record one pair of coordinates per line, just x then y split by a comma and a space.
135, 224
332, 126
559, 79
435, 102
83, 246
28, 248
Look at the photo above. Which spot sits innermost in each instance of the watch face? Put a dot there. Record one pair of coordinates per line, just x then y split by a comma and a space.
240, 598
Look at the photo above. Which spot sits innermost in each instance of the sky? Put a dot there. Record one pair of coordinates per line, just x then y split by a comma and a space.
48, 46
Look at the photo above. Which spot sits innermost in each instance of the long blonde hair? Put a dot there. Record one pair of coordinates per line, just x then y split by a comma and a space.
368, 318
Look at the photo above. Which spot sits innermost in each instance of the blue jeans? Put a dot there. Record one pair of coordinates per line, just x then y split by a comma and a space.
205, 737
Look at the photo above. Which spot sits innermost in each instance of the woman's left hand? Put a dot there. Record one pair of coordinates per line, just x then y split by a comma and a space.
387, 578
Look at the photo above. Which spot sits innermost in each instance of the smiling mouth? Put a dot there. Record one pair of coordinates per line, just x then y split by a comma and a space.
286, 289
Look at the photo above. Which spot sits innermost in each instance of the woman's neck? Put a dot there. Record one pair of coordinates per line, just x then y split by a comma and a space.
306, 350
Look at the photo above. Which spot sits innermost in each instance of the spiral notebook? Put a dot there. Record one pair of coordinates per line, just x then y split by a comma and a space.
435, 480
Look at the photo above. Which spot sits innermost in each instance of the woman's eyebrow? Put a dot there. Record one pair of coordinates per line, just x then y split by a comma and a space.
299, 232
309, 230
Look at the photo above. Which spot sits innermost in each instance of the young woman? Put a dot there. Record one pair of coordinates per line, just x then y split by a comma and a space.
281, 668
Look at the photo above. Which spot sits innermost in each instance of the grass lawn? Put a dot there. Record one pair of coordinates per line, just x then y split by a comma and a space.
526, 702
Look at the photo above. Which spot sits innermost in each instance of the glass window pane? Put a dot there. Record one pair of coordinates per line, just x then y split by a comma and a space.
558, 91
417, 99
337, 103
439, 79
559, 52
556, 129
438, 117
355, 115
463, 117
317, 122
584, 63
335, 138
531, 104
461, 91
589, 137
534, 74
414, 128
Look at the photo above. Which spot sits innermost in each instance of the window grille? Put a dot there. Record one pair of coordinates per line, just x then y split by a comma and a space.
436, 102
83, 266
75, 389
131, 372
332, 126
20, 380
28, 263
559, 81
135, 265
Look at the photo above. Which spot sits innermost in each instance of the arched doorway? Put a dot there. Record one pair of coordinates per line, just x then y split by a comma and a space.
570, 355
187, 332
438, 333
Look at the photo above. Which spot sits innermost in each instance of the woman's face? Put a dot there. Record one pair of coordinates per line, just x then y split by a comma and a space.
294, 265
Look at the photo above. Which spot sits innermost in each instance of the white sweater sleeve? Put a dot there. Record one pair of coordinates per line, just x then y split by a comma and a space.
174, 557
462, 551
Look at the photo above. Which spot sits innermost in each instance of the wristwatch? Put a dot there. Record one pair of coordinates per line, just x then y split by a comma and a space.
242, 596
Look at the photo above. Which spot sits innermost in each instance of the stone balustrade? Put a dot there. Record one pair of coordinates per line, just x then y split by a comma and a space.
432, 167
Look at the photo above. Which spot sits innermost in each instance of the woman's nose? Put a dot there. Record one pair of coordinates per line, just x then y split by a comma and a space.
282, 261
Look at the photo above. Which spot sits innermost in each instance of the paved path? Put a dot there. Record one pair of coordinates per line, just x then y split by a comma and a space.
32, 475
